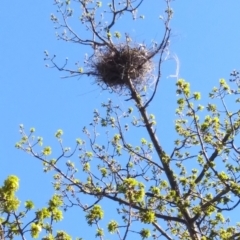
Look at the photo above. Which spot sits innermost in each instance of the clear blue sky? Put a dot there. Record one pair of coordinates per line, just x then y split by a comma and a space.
205, 37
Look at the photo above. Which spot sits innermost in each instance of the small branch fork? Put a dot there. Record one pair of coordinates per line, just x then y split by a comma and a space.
100, 37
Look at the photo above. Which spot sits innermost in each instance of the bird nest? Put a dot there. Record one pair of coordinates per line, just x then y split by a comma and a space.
117, 67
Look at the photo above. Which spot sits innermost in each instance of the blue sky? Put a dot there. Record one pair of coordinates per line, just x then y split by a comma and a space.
205, 37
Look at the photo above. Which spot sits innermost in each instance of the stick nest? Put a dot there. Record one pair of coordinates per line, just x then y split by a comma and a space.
115, 68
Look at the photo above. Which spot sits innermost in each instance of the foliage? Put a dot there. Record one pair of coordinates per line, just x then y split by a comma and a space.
13, 216
187, 203
183, 193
